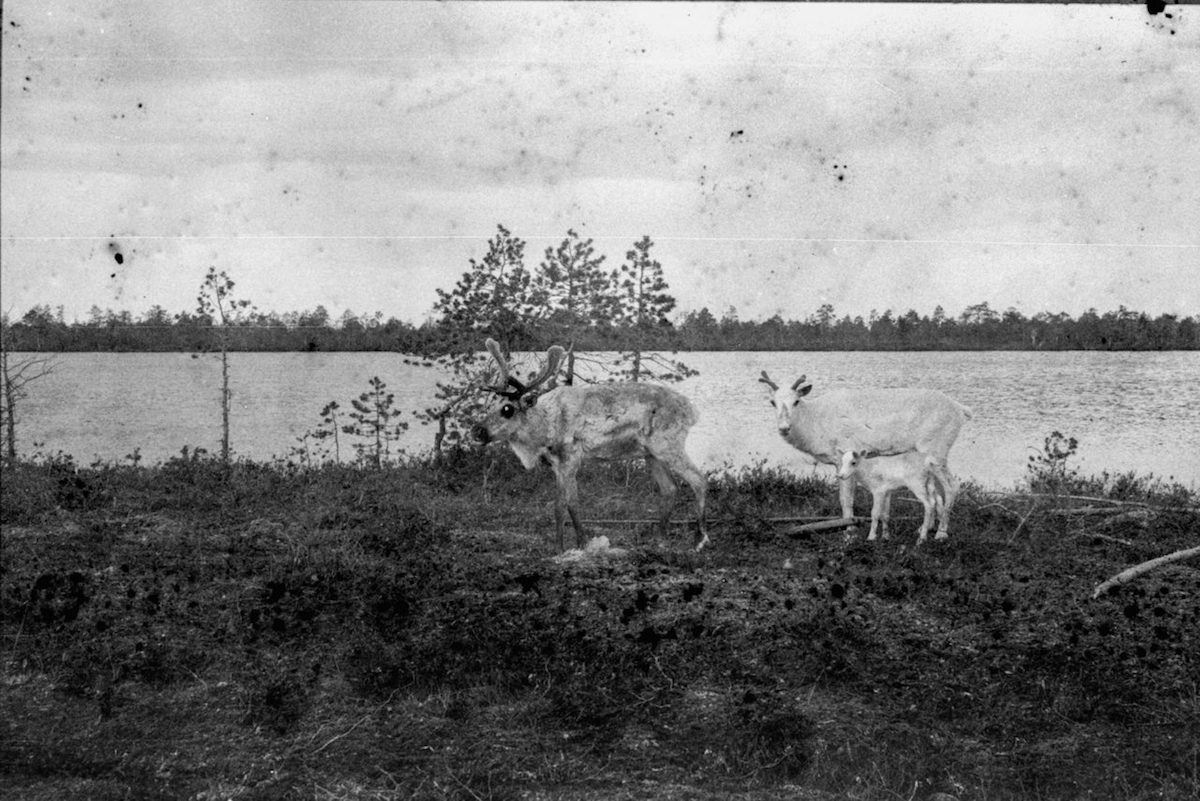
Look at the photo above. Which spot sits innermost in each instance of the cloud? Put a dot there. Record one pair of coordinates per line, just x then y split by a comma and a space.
872, 155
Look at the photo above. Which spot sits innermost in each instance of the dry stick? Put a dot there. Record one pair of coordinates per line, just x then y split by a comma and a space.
337, 737
1021, 519
638, 520
1145, 567
1032, 506
999, 506
1141, 516
1101, 537
1142, 504
1083, 511
1089, 498
803, 519
842, 522
1137, 504
357, 723
811, 523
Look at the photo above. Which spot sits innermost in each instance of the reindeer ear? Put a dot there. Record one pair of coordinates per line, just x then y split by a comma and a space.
804, 390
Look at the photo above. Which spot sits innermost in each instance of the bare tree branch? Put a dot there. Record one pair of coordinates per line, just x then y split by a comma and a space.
1145, 567
15, 376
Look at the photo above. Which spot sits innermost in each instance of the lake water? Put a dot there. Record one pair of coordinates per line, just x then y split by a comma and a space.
1129, 411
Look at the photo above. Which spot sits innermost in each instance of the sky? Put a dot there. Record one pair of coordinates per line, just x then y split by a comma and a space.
357, 155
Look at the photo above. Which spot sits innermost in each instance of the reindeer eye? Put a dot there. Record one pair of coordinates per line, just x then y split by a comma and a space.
507, 410
796, 402
771, 402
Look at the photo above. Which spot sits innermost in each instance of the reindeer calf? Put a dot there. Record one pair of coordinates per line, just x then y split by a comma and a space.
884, 474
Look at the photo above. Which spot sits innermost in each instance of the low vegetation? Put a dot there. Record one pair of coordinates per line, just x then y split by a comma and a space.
201, 630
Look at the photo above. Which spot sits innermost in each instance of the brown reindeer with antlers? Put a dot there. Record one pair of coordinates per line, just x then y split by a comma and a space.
568, 424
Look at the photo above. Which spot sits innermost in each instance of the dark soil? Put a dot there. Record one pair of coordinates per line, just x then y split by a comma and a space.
195, 631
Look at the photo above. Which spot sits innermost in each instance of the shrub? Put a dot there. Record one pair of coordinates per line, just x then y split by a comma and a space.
27, 493
1048, 471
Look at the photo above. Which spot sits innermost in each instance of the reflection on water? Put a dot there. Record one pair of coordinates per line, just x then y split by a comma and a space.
1129, 411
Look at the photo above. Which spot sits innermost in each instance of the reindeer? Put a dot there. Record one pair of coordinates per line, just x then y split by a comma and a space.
569, 424
883, 422
884, 474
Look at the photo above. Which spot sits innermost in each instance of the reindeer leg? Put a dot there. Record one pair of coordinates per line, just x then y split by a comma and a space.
560, 517
943, 488
567, 502
949, 491
924, 489
699, 484
886, 525
679, 463
571, 501
846, 489
570, 468
561, 504
667, 488
878, 510
581, 537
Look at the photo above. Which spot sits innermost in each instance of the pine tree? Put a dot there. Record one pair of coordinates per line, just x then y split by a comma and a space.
576, 293
376, 421
642, 306
494, 298
216, 302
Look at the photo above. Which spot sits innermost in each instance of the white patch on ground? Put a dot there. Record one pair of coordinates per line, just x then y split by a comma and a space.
596, 548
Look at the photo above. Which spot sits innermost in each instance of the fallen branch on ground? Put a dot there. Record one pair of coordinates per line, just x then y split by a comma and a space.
1113, 501
1086, 510
1139, 516
1091, 498
715, 522
1105, 537
999, 506
844, 522
1145, 567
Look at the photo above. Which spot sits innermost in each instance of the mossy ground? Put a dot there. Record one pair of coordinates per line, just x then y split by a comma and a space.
192, 631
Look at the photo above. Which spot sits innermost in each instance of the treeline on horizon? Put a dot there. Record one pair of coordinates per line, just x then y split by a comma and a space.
978, 327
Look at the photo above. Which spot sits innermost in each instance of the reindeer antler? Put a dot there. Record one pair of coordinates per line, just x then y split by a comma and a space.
554, 357
506, 380
799, 382
766, 379
494, 348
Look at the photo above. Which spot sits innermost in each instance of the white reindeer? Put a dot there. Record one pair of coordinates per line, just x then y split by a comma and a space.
570, 424
884, 474
882, 421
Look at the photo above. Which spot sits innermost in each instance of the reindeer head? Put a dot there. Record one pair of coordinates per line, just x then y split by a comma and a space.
517, 398
848, 464
785, 401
